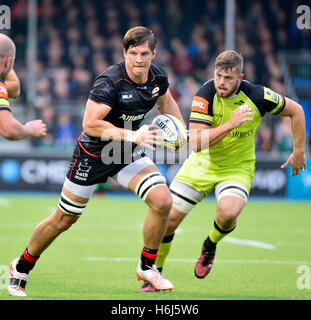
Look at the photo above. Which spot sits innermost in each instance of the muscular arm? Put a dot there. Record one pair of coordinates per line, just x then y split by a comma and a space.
12, 84
202, 136
95, 126
295, 112
167, 104
11, 129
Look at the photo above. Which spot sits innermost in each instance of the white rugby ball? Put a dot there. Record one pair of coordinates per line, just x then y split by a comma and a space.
172, 130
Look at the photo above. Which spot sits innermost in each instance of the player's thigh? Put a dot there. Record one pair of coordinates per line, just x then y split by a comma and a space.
144, 179
185, 196
74, 198
193, 174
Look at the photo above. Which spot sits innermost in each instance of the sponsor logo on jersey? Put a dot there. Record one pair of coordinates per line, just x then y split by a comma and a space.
200, 105
3, 91
141, 87
126, 117
270, 95
83, 170
239, 103
127, 96
155, 92
240, 134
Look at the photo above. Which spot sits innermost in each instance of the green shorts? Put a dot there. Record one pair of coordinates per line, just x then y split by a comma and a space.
197, 174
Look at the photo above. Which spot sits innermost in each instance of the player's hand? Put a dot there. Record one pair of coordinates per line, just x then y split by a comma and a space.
298, 162
240, 115
146, 136
36, 128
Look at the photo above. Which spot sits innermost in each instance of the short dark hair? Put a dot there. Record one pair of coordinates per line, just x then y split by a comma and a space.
229, 59
137, 36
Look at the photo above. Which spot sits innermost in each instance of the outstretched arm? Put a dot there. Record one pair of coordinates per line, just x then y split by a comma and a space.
11, 129
295, 112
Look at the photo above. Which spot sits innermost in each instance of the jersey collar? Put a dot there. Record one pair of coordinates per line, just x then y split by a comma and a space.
139, 86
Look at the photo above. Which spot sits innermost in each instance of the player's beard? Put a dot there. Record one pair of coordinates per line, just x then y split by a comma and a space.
231, 92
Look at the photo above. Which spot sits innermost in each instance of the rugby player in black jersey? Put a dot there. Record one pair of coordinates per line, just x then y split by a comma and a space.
110, 145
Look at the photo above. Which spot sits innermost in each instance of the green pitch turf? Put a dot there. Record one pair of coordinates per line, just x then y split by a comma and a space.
96, 258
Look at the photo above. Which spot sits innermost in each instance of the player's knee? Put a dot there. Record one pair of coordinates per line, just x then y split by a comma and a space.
161, 202
227, 213
62, 221
66, 222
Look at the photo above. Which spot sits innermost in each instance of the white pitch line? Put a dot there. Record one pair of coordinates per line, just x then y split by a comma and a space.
238, 261
251, 243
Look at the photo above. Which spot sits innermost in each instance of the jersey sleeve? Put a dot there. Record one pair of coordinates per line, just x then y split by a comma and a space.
202, 104
103, 91
4, 98
162, 79
272, 102
265, 99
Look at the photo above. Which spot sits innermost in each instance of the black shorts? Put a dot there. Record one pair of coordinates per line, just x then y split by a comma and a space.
90, 163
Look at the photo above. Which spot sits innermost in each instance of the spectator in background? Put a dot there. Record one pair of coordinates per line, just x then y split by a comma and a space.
85, 38
48, 116
65, 131
188, 89
181, 62
264, 139
284, 137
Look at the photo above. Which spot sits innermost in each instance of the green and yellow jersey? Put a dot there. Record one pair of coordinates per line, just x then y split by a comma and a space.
234, 155
4, 98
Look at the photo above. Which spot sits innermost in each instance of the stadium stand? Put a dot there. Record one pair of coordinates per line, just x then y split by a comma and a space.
78, 40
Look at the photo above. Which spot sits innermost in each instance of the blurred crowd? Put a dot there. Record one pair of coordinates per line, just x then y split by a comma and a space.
77, 40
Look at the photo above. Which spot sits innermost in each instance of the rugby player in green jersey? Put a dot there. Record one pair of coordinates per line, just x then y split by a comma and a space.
11, 128
226, 113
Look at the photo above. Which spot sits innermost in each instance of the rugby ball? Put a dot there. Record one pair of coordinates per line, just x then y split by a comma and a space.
172, 130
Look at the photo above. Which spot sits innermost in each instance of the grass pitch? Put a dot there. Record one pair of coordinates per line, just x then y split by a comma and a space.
96, 258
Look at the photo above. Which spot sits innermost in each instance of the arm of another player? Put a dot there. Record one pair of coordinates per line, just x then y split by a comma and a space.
95, 126
295, 112
12, 84
11, 129
167, 105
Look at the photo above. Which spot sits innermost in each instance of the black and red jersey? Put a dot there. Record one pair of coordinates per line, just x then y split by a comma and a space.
129, 101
